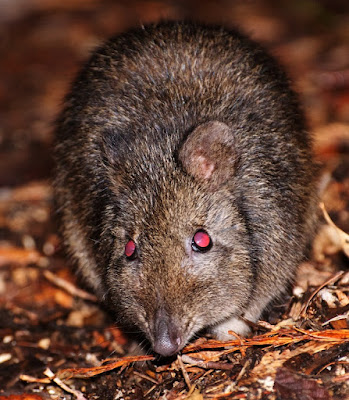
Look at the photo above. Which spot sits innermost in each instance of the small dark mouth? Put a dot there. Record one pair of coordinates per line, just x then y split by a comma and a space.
161, 360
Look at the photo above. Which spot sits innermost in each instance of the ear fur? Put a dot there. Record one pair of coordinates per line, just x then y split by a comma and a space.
208, 154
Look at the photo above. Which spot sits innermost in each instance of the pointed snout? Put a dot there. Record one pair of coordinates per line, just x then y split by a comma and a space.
167, 339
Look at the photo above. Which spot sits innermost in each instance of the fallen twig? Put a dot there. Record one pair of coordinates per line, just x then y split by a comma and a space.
62, 385
206, 364
279, 338
69, 287
333, 279
93, 371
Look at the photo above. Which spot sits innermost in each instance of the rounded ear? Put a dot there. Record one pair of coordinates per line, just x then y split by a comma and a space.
208, 153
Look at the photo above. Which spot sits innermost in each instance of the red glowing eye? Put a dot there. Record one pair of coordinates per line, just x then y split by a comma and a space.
201, 241
130, 249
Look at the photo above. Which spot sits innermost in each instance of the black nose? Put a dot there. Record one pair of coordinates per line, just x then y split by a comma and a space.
167, 339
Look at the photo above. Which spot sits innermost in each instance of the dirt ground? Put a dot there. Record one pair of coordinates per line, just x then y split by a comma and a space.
56, 342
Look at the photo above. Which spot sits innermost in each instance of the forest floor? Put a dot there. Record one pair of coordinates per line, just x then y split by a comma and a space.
56, 341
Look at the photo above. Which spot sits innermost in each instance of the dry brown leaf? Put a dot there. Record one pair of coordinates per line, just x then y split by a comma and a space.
328, 137
195, 395
273, 360
289, 384
19, 256
342, 238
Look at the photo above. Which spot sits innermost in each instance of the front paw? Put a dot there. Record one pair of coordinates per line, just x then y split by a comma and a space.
237, 325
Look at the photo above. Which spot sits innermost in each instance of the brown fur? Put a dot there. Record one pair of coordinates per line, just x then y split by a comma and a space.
173, 128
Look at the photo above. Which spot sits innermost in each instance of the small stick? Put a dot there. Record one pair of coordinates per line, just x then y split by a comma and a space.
32, 379
206, 364
147, 377
184, 371
317, 290
69, 287
62, 385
